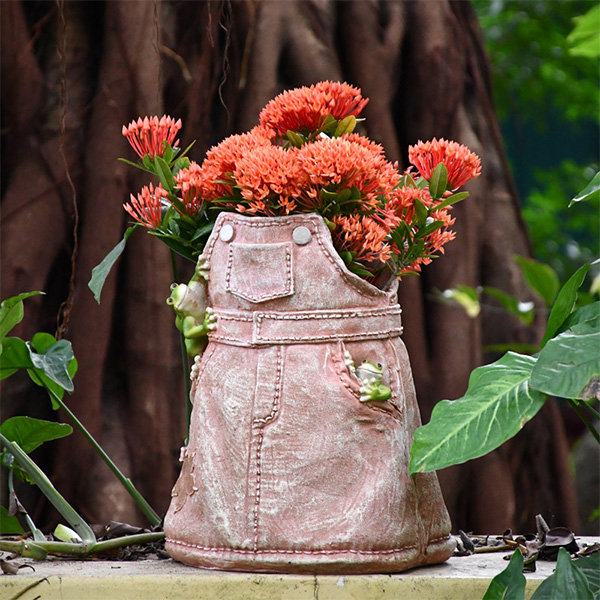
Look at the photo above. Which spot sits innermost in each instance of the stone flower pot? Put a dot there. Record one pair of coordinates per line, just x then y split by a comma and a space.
287, 470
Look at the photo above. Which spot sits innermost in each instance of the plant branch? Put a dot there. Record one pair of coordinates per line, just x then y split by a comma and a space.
584, 418
56, 499
126, 482
38, 536
23, 548
185, 361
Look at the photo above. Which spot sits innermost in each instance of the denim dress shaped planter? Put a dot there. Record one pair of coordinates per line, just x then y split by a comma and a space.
286, 469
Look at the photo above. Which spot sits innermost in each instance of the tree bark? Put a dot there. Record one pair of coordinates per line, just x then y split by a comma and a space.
215, 65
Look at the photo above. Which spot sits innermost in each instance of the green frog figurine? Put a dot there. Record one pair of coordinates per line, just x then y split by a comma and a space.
370, 376
192, 317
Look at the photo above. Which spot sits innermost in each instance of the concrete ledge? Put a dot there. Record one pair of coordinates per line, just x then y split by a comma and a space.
461, 578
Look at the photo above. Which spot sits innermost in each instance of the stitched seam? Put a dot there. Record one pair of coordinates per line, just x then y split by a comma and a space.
363, 315
334, 336
260, 424
309, 552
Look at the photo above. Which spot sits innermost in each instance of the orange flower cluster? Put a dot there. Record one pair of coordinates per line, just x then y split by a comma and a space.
347, 163
363, 236
461, 163
147, 207
379, 217
148, 135
304, 109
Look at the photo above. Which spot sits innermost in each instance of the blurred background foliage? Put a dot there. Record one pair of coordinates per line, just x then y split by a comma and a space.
546, 78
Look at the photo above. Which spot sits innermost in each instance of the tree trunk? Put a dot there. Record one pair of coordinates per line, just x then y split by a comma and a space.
215, 64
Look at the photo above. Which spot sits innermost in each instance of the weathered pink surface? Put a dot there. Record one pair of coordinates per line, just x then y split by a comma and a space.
286, 470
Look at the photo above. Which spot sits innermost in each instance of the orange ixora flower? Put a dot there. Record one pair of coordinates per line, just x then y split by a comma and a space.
305, 108
147, 207
268, 178
345, 163
148, 135
191, 184
221, 160
461, 163
363, 236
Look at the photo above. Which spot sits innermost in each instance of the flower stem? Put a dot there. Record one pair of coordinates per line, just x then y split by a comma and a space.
591, 409
38, 536
584, 418
185, 360
56, 499
127, 484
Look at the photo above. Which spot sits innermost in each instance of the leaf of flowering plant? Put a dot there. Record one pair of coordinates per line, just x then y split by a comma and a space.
590, 313
346, 125
452, 199
590, 192
497, 404
101, 271
438, 181
564, 303
164, 173
31, 433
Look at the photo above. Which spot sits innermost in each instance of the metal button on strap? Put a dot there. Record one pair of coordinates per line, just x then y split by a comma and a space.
301, 235
226, 233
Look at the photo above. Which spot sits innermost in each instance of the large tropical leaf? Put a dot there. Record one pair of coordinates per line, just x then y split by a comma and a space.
567, 581
569, 364
497, 404
590, 567
541, 278
510, 583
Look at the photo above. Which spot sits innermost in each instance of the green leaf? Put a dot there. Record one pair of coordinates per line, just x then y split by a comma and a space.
449, 200
346, 125
438, 181
541, 278
590, 314
142, 167
569, 365
54, 362
564, 303
100, 272
510, 303
15, 355
296, 139
9, 525
584, 40
567, 581
164, 174
66, 534
590, 192
181, 163
467, 297
510, 583
497, 404
421, 214
31, 433
590, 567
11, 312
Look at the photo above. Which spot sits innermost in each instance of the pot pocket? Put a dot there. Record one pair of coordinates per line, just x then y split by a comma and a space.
260, 272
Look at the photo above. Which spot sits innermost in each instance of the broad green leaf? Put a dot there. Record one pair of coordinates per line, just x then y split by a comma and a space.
510, 303
54, 363
569, 365
541, 278
510, 583
590, 567
11, 312
9, 525
590, 192
346, 125
31, 433
497, 404
564, 303
567, 582
590, 314
438, 181
100, 272
15, 355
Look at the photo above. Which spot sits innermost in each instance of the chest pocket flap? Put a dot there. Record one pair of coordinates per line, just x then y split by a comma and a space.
260, 272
